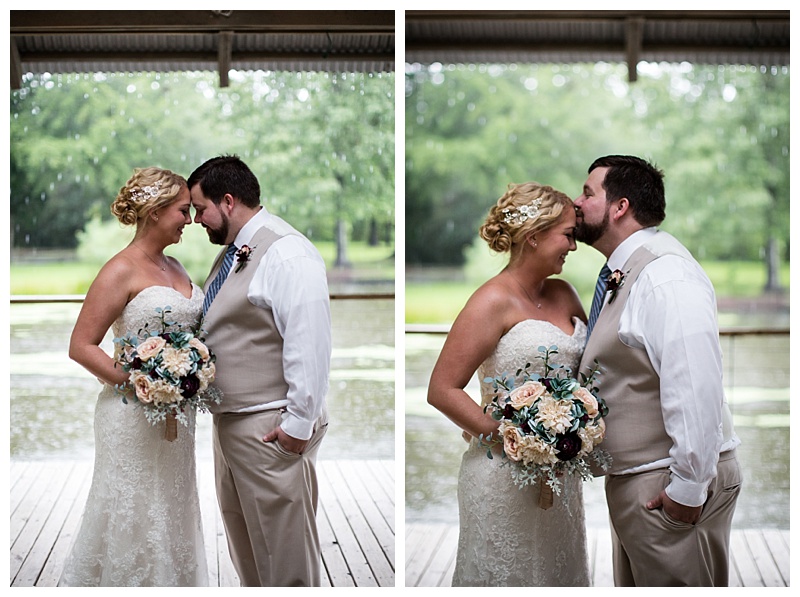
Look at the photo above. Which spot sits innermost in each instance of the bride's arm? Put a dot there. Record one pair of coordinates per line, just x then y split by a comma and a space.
104, 302
472, 338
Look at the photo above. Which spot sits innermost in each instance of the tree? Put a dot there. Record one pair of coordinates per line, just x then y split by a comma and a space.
720, 134
320, 154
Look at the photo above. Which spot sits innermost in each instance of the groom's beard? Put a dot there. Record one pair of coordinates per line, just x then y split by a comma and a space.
218, 236
591, 233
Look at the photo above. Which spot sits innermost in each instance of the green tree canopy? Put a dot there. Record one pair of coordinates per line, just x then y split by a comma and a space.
719, 133
321, 145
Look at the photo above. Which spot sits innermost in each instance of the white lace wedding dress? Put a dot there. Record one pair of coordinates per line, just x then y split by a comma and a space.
505, 539
141, 525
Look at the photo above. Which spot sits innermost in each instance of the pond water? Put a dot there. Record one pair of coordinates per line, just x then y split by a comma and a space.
52, 398
757, 387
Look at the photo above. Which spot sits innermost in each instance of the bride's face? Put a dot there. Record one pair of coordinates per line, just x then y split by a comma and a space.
172, 218
555, 243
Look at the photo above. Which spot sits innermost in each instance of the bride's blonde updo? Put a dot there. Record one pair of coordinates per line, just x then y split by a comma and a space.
147, 190
525, 209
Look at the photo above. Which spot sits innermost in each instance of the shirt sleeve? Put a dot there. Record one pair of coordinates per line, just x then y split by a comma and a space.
671, 313
291, 281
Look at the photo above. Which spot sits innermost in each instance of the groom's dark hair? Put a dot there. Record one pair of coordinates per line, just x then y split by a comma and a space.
227, 174
640, 181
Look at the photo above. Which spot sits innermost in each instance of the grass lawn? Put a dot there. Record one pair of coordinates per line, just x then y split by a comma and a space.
440, 302
75, 277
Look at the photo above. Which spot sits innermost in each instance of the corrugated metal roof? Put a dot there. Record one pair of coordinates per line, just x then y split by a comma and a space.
140, 41
705, 37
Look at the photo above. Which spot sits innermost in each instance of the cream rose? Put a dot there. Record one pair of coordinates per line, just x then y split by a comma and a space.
163, 392
150, 347
554, 414
526, 394
206, 375
176, 361
592, 435
201, 348
512, 441
535, 451
142, 385
588, 399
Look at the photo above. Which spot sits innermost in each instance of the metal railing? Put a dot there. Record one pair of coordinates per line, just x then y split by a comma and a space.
78, 298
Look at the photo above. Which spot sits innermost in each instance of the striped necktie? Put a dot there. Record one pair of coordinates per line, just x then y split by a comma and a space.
222, 275
599, 298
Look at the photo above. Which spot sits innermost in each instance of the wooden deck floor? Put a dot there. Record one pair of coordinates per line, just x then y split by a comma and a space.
759, 558
356, 520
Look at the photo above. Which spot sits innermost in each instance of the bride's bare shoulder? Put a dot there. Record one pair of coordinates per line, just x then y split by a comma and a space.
493, 294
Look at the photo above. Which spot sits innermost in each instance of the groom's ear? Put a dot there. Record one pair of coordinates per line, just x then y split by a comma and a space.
228, 201
622, 206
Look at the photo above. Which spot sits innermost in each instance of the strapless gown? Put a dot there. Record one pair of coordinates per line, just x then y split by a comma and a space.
141, 525
505, 539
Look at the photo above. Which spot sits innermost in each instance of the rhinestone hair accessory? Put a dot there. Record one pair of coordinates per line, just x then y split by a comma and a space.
144, 194
523, 213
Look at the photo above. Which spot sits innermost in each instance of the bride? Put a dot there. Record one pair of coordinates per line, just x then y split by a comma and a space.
141, 525
505, 538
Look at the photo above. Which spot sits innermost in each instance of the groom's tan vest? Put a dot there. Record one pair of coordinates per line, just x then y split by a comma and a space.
244, 337
635, 432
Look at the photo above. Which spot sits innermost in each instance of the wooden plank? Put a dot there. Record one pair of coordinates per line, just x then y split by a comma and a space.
603, 570
777, 542
762, 558
33, 513
440, 568
50, 498
19, 491
344, 524
337, 572
209, 512
421, 545
357, 565
375, 518
47, 532
743, 560
82, 473
377, 485
427, 549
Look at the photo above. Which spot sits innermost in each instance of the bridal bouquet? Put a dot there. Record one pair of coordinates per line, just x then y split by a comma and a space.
170, 372
549, 425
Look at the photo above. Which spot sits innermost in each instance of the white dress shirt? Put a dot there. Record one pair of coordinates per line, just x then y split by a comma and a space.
671, 313
291, 281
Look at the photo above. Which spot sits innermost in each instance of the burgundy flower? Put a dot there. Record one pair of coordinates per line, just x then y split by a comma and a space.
568, 446
614, 282
242, 257
189, 386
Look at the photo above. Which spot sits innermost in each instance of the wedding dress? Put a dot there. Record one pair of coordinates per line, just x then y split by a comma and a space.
141, 525
505, 539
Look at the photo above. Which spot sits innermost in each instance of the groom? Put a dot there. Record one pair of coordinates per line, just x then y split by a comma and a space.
675, 478
267, 319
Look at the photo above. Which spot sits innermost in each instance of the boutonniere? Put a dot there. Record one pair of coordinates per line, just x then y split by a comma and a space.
242, 257
614, 282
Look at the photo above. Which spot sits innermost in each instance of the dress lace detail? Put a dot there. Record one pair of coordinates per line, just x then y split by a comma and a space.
505, 539
141, 525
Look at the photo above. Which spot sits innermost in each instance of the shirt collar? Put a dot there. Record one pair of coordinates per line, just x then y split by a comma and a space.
248, 231
627, 247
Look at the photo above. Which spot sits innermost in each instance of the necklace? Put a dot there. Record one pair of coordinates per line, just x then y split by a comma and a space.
538, 304
162, 266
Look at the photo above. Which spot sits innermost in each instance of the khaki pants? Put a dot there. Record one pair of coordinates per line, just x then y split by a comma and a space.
651, 549
268, 498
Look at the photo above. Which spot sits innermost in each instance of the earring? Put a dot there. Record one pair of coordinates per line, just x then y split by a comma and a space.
532, 242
